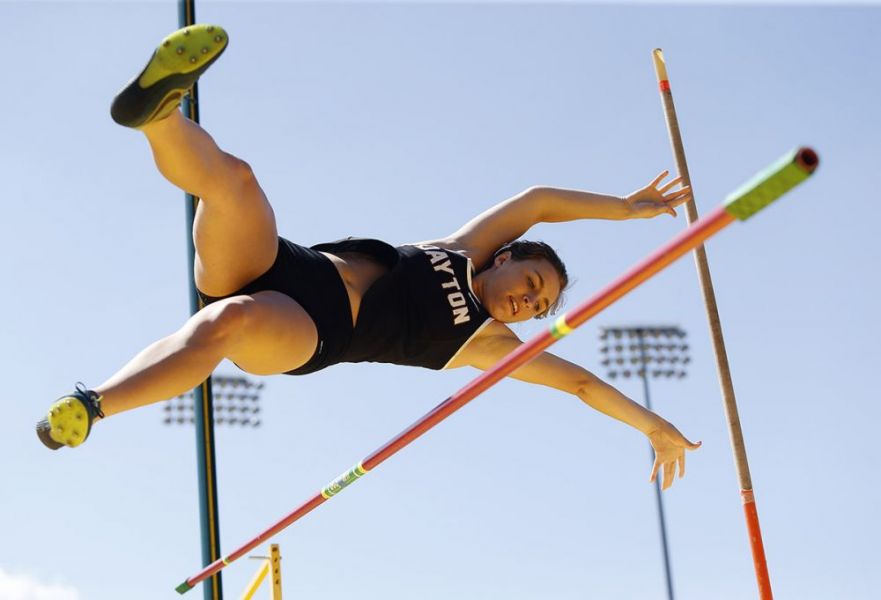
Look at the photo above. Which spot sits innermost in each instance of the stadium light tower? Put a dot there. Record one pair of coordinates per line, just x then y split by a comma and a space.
647, 352
236, 403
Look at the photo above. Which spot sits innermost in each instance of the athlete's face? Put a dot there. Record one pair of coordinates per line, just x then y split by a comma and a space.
518, 290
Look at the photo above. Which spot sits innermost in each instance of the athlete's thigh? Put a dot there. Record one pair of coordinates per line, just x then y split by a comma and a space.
277, 334
235, 234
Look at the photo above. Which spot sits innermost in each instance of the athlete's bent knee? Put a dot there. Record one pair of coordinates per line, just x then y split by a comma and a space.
234, 176
241, 172
222, 324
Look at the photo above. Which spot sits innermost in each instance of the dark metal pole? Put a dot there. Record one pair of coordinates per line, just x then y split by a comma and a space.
203, 400
643, 373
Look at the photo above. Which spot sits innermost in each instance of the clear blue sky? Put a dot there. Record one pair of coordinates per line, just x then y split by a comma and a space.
402, 121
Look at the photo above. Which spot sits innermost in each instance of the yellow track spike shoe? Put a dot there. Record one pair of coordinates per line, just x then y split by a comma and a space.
70, 419
177, 63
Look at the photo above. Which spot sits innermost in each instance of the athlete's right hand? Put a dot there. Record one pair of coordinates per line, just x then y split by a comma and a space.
670, 447
652, 200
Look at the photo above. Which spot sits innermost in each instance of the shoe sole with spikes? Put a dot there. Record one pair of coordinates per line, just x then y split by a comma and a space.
174, 68
68, 422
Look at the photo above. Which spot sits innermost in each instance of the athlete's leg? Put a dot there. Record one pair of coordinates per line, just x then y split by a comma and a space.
234, 231
235, 234
264, 334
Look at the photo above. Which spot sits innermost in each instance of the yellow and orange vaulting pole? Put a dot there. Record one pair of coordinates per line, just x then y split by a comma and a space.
706, 284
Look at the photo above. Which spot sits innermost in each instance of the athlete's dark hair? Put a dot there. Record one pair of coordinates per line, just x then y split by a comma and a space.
526, 250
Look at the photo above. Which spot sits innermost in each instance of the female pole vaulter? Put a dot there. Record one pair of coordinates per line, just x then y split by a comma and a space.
273, 306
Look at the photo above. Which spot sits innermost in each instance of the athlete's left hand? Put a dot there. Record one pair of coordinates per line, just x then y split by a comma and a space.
652, 200
670, 447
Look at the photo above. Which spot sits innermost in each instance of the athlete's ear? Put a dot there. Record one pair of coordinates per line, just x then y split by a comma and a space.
502, 258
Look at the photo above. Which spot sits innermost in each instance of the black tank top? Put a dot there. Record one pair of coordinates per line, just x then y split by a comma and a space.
419, 313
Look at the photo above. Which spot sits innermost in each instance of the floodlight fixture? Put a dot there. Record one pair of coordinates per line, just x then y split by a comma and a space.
236, 401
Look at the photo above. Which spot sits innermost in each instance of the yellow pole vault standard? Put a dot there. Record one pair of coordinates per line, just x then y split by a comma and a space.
725, 381
269, 565
760, 191
275, 569
255, 582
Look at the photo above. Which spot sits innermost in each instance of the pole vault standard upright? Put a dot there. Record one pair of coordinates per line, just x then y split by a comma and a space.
750, 198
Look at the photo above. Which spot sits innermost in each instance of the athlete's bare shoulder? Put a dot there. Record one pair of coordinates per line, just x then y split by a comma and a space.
505, 222
488, 345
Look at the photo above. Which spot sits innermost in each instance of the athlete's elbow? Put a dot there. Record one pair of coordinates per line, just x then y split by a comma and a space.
585, 385
536, 193
536, 197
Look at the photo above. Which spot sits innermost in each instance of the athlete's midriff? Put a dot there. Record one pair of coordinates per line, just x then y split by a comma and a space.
358, 272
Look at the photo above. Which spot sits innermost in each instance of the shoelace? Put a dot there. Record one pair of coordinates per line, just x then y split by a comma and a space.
93, 398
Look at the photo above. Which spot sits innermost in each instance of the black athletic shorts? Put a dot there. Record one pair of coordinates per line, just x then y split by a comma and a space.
313, 281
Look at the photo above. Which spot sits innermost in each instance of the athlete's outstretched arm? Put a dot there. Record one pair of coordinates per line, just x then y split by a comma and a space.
484, 234
656, 198
497, 340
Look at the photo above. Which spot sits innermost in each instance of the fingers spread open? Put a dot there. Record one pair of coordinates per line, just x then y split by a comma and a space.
669, 474
669, 185
658, 179
679, 196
